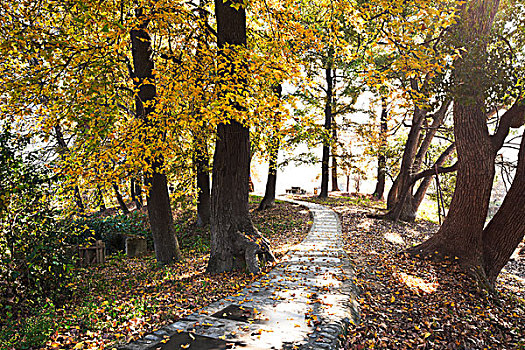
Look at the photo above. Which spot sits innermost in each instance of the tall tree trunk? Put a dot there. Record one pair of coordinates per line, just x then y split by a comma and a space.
328, 126
335, 184
268, 200
159, 208
235, 243
120, 200
381, 159
506, 229
404, 185
461, 233
409, 211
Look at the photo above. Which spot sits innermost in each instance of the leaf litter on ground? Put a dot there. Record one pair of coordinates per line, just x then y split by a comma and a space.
408, 303
125, 299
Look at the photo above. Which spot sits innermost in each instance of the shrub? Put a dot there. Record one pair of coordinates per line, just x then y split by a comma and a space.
112, 230
35, 261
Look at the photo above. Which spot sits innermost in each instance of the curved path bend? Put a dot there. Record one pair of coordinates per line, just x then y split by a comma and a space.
307, 301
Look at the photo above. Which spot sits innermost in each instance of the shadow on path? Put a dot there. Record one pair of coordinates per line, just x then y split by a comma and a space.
306, 302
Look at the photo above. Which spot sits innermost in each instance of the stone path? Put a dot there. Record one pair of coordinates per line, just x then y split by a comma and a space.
306, 302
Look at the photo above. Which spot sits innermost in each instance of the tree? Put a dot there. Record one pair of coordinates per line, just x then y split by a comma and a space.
235, 242
402, 201
159, 206
506, 229
462, 233
268, 200
335, 184
381, 158
327, 123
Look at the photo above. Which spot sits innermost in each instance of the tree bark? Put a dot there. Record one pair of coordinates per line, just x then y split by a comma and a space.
235, 243
461, 233
159, 208
392, 194
328, 126
404, 185
506, 229
381, 159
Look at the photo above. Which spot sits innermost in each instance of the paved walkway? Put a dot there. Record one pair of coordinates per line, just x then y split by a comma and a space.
306, 302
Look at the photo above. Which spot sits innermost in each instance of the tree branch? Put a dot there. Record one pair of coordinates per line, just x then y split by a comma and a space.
514, 117
432, 171
441, 170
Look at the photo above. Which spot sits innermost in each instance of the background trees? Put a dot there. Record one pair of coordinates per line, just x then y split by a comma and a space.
142, 94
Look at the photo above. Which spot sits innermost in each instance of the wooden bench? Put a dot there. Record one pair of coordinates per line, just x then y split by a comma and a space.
296, 190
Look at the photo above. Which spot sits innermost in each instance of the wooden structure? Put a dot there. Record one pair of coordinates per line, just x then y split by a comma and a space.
296, 190
92, 255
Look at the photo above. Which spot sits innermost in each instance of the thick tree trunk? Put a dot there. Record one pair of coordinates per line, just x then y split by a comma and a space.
506, 229
392, 194
120, 200
328, 126
461, 234
161, 222
381, 159
268, 200
235, 243
159, 208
